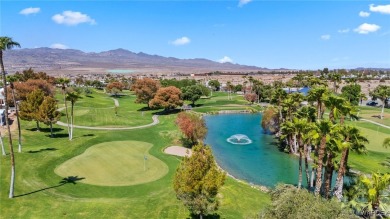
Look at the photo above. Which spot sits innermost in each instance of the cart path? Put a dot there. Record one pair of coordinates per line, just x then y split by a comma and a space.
155, 122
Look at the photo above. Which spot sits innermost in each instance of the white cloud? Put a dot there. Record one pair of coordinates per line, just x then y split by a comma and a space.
243, 2
59, 46
225, 59
181, 41
325, 37
343, 30
384, 9
28, 11
364, 14
367, 28
72, 18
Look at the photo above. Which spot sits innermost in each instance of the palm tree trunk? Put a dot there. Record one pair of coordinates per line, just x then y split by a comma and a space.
319, 109
291, 142
2, 145
71, 122
328, 175
18, 121
306, 164
313, 170
66, 109
338, 192
11, 148
383, 108
300, 170
321, 154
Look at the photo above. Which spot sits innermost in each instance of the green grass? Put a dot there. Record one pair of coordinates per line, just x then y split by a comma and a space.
40, 192
373, 113
372, 161
98, 110
220, 102
115, 163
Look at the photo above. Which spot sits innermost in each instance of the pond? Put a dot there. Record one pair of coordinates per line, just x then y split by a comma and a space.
242, 149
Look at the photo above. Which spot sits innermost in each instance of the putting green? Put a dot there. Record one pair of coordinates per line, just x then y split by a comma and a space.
117, 163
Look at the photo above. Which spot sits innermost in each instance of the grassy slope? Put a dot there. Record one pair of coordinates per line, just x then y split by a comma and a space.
40, 194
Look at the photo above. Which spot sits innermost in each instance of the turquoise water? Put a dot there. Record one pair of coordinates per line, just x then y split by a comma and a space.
259, 162
120, 71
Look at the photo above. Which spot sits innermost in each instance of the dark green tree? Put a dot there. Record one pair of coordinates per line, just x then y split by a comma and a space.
48, 112
352, 92
192, 93
214, 84
29, 109
197, 181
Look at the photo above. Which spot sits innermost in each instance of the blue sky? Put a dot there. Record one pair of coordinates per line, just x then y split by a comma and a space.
273, 34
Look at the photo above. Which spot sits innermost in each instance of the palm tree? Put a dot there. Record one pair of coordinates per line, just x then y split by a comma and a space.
17, 118
374, 187
323, 130
336, 79
66, 108
7, 43
288, 133
381, 92
72, 97
318, 94
352, 140
277, 97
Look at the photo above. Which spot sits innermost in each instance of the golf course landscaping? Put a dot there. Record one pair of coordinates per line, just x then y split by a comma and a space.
100, 173
123, 173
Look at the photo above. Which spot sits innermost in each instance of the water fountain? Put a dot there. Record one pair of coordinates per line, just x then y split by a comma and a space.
239, 139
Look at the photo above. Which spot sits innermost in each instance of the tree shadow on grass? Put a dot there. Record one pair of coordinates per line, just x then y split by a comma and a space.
167, 112
45, 130
210, 216
59, 135
64, 181
41, 150
144, 109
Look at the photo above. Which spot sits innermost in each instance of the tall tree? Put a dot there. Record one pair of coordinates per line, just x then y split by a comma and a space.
352, 92
30, 107
352, 140
381, 92
6, 43
317, 95
66, 108
17, 117
324, 128
73, 97
198, 180
145, 90
167, 97
48, 112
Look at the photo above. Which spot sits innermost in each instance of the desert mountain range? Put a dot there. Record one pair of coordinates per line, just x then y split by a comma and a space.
65, 61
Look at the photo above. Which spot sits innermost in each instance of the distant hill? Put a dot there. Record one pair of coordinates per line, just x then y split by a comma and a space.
62, 61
